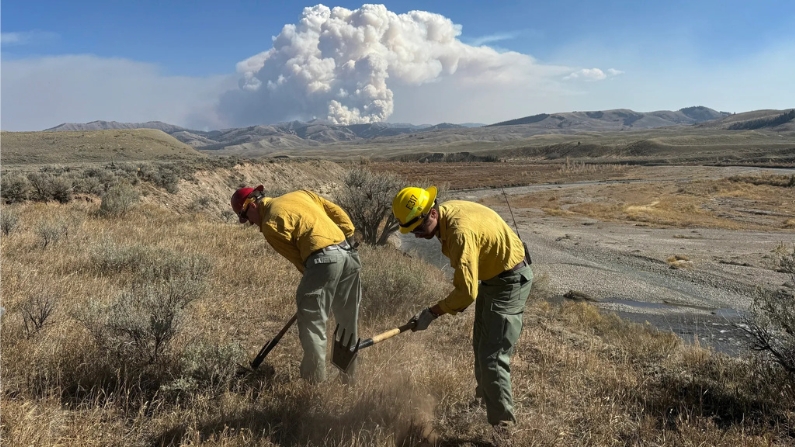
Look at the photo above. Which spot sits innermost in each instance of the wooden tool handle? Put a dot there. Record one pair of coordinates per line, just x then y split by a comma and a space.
392, 332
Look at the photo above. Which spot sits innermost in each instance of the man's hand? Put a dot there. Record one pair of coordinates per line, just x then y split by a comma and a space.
422, 320
352, 244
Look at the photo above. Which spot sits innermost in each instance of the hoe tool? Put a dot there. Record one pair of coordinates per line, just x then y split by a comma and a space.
271, 344
344, 353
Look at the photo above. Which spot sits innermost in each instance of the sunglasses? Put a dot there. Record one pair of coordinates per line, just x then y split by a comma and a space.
244, 210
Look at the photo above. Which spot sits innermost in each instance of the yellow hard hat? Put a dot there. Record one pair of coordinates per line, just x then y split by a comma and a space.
411, 205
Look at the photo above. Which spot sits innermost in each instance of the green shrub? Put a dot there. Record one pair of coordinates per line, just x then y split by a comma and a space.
41, 186
61, 189
118, 200
15, 188
88, 185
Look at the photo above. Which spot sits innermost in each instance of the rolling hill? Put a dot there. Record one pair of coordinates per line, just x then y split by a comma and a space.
92, 146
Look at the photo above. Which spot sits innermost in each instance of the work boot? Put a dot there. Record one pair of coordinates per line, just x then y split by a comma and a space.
502, 434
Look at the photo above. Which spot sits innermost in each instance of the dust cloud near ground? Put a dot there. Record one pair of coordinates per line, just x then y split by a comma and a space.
683, 249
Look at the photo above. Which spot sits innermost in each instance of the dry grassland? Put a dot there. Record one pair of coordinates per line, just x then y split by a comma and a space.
655, 196
579, 377
498, 175
751, 202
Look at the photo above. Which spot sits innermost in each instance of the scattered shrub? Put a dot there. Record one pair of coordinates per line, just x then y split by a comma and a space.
148, 263
118, 200
139, 325
15, 188
8, 221
206, 365
89, 185
367, 198
200, 204
42, 186
61, 189
36, 310
771, 324
51, 232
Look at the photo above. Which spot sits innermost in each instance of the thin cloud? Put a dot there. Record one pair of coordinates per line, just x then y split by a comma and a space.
592, 74
27, 37
491, 38
39, 93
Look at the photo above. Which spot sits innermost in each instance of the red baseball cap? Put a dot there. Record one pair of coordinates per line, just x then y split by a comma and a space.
240, 196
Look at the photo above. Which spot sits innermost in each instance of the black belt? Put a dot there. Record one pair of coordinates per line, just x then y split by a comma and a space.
515, 268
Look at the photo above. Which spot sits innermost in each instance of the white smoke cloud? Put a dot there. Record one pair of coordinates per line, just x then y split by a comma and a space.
341, 65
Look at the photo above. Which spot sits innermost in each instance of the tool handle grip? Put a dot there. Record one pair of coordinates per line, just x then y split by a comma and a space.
392, 332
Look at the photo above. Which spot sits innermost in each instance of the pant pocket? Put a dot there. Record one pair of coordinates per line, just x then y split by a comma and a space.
511, 306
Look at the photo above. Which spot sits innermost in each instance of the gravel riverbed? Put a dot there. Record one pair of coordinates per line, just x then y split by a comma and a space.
626, 268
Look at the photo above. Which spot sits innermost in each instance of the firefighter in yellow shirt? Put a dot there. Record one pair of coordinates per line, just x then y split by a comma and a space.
316, 235
491, 269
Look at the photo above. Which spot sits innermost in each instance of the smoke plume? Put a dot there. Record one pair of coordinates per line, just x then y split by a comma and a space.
338, 64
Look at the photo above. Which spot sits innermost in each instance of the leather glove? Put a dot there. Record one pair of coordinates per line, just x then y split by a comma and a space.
422, 320
351, 242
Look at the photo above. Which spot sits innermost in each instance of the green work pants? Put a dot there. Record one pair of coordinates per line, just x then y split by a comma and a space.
330, 286
499, 308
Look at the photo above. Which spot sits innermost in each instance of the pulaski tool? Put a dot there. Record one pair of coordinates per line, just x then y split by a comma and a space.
345, 353
271, 344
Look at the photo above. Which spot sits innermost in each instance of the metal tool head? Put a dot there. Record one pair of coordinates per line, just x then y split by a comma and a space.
344, 353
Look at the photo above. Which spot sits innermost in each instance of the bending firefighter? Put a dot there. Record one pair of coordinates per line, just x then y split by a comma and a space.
316, 235
491, 270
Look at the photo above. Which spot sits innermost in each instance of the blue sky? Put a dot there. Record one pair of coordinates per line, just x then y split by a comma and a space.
178, 61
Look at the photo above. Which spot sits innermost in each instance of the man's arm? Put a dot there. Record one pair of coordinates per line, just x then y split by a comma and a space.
336, 213
464, 257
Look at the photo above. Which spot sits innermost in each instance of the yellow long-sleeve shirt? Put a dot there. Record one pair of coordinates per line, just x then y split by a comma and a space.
479, 244
301, 222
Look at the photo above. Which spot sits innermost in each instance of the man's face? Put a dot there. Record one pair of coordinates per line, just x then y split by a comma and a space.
250, 214
427, 229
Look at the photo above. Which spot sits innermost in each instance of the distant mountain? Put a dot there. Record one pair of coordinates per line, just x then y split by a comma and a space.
285, 134
298, 134
108, 125
619, 119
